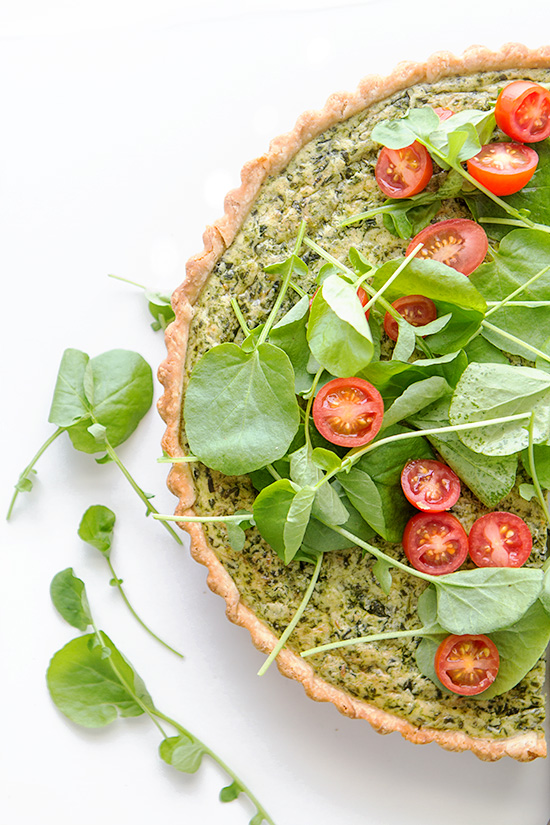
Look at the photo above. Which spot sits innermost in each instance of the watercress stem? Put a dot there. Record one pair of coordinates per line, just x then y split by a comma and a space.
295, 619
392, 278
204, 519
120, 589
31, 464
309, 406
375, 637
533, 471
126, 281
180, 459
284, 286
511, 222
150, 508
240, 317
539, 353
517, 291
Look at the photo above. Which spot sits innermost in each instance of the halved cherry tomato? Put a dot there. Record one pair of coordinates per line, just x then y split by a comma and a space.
500, 540
467, 665
348, 411
430, 485
443, 113
522, 111
459, 243
401, 173
361, 294
504, 168
416, 309
435, 543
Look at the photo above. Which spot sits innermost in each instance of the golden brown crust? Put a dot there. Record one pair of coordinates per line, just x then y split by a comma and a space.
217, 239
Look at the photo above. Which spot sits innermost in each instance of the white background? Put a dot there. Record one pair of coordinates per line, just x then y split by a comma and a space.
123, 125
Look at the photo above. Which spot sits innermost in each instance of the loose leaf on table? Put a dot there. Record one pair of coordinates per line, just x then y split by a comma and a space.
160, 307
487, 391
68, 595
490, 478
114, 390
87, 682
486, 599
182, 753
250, 397
97, 528
522, 254
338, 333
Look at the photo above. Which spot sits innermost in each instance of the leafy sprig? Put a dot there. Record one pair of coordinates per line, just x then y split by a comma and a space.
92, 683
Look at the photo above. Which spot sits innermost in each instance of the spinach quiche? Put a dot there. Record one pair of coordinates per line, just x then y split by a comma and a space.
310, 219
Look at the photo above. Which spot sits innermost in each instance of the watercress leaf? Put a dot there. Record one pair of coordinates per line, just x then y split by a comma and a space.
486, 599
490, 478
236, 536
182, 753
358, 261
407, 218
25, 482
424, 656
365, 497
320, 538
415, 398
98, 433
480, 349
69, 403
391, 378
341, 297
487, 391
545, 593
437, 325
527, 491
68, 595
406, 341
231, 792
325, 459
122, 394
427, 606
257, 819
395, 134
541, 455
327, 504
337, 345
296, 522
271, 507
91, 690
97, 528
160, 307
251, 398
292, 263
290, 334
520, 647
381, 569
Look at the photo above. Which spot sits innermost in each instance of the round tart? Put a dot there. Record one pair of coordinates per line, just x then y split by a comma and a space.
324, 172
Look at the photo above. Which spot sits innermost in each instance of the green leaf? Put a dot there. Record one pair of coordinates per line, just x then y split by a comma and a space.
342, 345
545, 593
479, 349
325, 459
231, 792
122, 394
97, 528
327, 504
250, 397
406, 341
182, 753
381, 569
236, 536
296, 522
25, 482
541, 455
391, 378
257, 819
290, 334
415, 398
490, 478
396, 134
486, 599
68, 595
487, 391
271, 507
92, 690
69, 403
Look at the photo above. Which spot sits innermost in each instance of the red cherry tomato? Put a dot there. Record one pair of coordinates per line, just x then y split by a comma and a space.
467, 664
435, 543
348, 411
500, 540
443, 113
416, 309
361, 294
401, 173
523, 111
504, 168
459, 243
430, 485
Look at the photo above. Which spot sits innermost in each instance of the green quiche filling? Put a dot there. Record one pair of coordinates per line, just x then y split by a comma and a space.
330, 180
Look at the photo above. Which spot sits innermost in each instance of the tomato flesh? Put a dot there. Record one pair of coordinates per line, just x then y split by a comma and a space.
416, 309
401, 173
459, 243
443, 113
504, 168
467, 664
430, 485
435, 543
348, 411
522, 111
500, 540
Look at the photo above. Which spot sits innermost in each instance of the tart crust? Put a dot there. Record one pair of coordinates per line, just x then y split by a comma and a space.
217, 238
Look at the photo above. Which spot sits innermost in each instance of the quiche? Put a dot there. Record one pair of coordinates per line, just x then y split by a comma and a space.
323, 172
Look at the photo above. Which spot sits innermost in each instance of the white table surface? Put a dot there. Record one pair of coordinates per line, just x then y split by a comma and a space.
123, 125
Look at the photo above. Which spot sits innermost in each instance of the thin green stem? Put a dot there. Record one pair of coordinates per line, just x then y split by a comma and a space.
127, 281
295, 619
120, 589
31, 464
240, 317
180, 459
204, 519
533, 471
530, 304
309, 406
150, 508
392, 278
301, 292
508, 299
375, 637
511, 222
284, 286
537, 352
